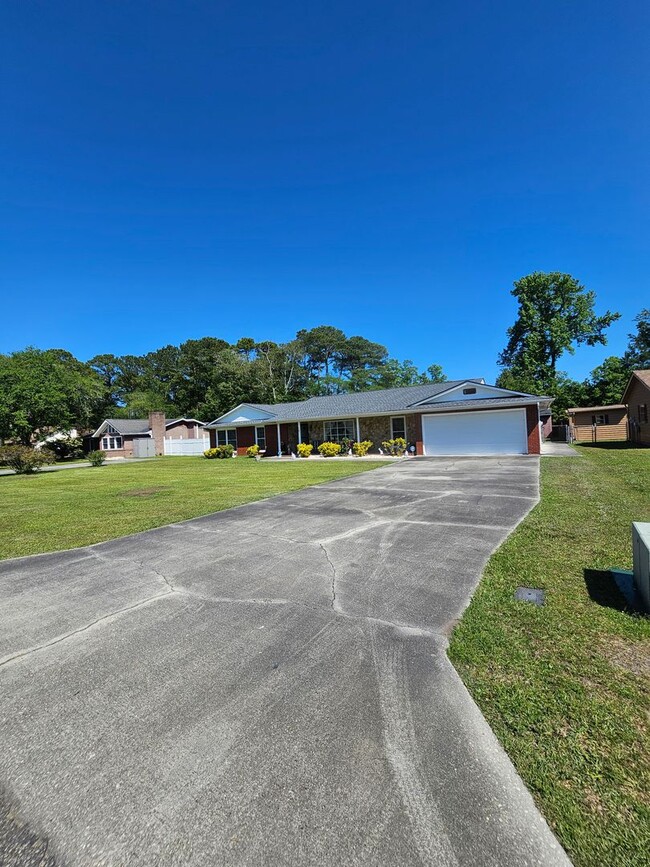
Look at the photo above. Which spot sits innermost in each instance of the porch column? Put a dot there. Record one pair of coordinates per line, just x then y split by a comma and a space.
358, 431
299, 431
279, 442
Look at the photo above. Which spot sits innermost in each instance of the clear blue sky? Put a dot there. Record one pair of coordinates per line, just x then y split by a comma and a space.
180, 169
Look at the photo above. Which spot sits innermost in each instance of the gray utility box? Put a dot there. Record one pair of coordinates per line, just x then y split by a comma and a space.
641, 558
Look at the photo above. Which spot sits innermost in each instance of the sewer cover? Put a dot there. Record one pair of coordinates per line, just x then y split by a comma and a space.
529, 594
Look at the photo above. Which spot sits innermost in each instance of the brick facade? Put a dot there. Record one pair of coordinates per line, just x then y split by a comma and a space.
532, 426
157, 425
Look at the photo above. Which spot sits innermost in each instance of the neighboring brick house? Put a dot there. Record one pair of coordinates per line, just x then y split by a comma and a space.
637, 399
462, 417
591, 424
132, 437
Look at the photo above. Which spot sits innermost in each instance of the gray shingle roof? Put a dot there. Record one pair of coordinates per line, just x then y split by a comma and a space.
385, 400
479, 403
130, 425
380, 400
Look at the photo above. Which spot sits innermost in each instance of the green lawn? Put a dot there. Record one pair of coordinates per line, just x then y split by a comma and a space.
566, 687
67, 508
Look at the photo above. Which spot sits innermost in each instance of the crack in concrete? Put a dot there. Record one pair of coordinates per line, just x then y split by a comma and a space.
60, 638
334, 605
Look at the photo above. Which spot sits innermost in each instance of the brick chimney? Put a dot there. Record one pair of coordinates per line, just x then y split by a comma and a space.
157, 425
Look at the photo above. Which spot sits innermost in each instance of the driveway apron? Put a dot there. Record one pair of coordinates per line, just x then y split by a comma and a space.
266, 685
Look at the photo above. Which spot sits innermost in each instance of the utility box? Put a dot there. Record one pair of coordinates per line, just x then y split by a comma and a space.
641, 560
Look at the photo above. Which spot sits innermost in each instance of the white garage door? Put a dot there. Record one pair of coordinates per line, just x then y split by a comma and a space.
498, 432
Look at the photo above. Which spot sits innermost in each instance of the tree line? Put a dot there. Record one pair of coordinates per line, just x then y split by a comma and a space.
41, 390
45, 390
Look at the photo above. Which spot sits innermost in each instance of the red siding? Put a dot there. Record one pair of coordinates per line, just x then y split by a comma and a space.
419, 442
532, 423
245, 438
271, 440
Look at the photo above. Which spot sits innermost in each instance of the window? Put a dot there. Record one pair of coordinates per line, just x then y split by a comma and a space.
600, 419
227, 437
469, 391
398, 427
111, 443
337, 431
260, 437
643, 413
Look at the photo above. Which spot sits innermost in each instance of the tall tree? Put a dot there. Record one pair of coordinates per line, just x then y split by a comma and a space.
44, 390
556, 314
637, 356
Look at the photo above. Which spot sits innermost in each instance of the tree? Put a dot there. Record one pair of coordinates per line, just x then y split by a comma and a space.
556, 313
607, 382
637, 356
43, 390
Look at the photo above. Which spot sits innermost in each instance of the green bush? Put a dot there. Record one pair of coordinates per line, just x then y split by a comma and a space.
395, 447
66, 447
252, 451
219, 452
346, 445
24, 459
96, 458
304, 450
361, 449
329, 450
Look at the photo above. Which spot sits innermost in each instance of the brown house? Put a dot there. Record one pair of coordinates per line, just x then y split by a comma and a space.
143, 437
591, 424
637, 398
463, 417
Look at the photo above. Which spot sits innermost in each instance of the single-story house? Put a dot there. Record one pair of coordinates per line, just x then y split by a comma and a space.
637, 398
142, 437
462, 417
590, 424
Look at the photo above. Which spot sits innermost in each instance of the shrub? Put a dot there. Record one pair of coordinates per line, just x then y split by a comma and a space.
346, 445
362, 449
252, 451
96, 458
395, 447
65, 447
219, 452
23, 459
329, 450
305, 449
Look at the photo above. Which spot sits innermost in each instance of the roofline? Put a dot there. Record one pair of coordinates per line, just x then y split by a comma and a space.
527, 400
216, 421
629, 382
461, 383
573, 409
100, 429
184, 418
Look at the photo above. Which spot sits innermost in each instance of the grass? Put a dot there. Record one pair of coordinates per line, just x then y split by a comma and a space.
566, 687
65, 509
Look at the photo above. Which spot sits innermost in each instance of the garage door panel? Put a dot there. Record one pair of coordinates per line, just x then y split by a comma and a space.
501, 432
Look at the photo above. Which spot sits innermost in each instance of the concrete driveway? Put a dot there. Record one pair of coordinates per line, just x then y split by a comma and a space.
266, 685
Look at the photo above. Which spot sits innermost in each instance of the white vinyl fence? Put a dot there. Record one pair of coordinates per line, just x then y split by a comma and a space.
186, 446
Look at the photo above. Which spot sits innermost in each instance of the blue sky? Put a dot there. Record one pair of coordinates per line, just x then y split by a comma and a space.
175, 170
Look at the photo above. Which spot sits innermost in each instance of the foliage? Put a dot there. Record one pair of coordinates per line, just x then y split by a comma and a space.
562, 686
555, 314
24, 459
329, 450
219, 452
637, 356
253, 451
96, 457
346, 445
65, 447
361, 449
607, 382
395, 447
304, 450
44, 390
